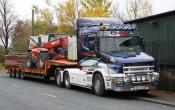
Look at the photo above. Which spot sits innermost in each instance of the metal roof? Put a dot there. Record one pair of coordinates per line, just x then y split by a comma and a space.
153, 16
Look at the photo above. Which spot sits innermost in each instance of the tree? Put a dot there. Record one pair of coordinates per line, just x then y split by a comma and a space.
44, 22
7, 18
138, 9
21, 36
116, 12
66, 17
2, 52
96, 8
92, 8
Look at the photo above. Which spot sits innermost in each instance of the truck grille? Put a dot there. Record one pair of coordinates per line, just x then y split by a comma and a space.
138, 68
139, 72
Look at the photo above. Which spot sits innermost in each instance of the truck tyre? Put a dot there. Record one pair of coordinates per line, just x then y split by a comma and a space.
43, 56
18, 75
67, 80
98, 85
58, 79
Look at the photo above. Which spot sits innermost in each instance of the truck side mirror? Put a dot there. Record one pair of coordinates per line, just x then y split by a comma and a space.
39, 40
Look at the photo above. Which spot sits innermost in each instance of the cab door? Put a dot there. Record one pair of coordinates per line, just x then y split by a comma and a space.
88, 67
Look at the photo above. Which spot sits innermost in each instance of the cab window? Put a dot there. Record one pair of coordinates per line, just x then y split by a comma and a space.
92, 62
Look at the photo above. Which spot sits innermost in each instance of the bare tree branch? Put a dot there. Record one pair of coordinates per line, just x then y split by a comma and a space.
116, 11
7, 18
138, 9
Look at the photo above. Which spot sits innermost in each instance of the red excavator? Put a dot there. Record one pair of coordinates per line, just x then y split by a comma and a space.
53, 46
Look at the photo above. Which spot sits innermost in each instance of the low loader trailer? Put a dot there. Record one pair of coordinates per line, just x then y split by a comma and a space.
105, 55
48, 71
32, 64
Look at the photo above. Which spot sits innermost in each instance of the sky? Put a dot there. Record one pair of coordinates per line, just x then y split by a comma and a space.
23, 7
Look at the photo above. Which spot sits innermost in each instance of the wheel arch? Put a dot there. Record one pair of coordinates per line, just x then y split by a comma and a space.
97, 72
69, 71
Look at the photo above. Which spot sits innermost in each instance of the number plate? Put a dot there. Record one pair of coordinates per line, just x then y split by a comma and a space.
139, 87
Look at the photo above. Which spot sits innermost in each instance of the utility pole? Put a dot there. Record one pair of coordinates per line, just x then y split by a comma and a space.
33, 11
77, 15
77, 2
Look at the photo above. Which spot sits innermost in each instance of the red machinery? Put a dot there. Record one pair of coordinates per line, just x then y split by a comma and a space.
53, 48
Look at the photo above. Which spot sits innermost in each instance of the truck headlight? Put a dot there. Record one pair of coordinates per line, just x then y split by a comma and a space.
138, 78
127, 78
117, 79
133, 78
143, 78
120, 79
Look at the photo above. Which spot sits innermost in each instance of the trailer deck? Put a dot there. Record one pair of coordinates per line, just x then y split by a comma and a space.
45, 70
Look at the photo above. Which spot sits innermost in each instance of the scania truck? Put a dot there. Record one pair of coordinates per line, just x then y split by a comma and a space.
107, 57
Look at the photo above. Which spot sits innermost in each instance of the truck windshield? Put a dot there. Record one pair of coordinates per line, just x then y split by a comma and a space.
119, 43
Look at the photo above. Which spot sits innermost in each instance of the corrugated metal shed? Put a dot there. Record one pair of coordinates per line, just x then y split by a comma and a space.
158, 32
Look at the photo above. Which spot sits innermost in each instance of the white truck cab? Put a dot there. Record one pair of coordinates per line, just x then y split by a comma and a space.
102, 77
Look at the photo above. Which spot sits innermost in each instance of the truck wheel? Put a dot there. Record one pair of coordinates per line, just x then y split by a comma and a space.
67, 80
18, 75
58, 79
43, 56
98, 85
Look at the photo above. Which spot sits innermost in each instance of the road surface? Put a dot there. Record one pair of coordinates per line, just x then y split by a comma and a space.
31, 94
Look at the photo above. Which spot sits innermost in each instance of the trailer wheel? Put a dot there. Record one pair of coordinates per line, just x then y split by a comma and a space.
13, 74
18, 75
98, 85
67, 80
43, 56
58, 79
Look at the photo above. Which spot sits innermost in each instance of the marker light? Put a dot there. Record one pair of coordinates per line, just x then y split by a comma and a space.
120, 33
